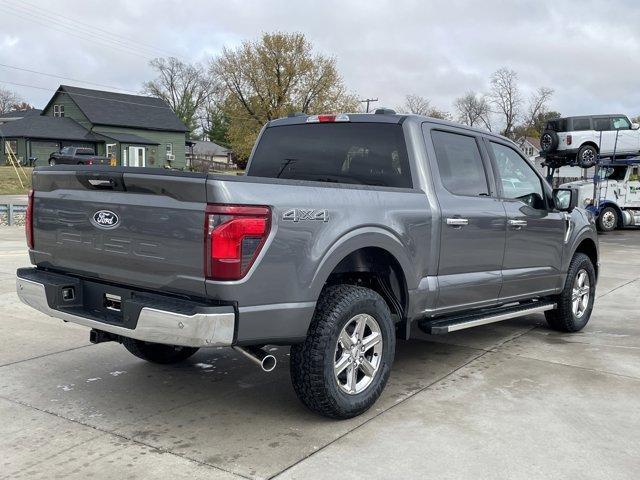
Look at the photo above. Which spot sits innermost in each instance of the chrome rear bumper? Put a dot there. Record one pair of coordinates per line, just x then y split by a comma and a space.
154, 325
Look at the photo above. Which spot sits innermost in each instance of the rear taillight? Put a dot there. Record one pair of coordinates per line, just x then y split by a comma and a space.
234, 236
569, 139
28, 221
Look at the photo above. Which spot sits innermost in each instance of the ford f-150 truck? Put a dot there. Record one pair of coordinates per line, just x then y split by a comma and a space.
345, 231
77, 156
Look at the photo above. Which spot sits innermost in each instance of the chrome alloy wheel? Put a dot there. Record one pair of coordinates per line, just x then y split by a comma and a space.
580, 294
545, 142
358, 354
609, 220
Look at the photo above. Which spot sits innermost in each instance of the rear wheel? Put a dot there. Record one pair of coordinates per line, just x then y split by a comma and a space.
607, 219
587, 156
576, 300
158, 352
343, 365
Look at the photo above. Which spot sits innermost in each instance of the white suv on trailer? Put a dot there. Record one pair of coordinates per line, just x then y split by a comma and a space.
579, 140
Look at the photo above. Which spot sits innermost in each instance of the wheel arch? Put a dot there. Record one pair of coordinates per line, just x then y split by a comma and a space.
616, 207
372, 257
589, 143
588, 247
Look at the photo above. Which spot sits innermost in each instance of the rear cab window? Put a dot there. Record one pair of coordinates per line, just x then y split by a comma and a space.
354, 153
558, 125
460, 164
581, 124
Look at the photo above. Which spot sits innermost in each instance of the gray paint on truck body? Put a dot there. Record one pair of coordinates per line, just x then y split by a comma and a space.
160, 243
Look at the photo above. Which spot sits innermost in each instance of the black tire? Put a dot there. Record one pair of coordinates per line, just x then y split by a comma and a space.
563, 318
158, 352
607, 220
587, 156
312, 362
549, 141
52, 162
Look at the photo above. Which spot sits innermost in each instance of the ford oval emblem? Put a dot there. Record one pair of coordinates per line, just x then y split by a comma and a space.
105, 219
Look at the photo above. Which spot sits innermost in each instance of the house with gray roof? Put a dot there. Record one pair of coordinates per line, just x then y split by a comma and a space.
134, 130
205, 156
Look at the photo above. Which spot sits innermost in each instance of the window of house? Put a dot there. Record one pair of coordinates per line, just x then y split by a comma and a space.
169, 149
518, 180
11, 146
111, 149
58, 110
581, 124
460, 164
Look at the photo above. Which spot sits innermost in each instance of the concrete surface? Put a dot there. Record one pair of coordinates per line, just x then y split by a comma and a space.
15, 199
512, 400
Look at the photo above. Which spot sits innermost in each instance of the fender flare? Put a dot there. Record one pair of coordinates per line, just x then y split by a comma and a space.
357, 239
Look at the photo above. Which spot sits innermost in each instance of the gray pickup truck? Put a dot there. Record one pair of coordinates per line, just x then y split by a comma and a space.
77, 156
345, 231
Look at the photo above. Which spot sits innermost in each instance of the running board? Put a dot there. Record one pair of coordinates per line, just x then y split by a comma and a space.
451, 324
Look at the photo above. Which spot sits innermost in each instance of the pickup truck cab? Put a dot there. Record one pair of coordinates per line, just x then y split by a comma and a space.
345, 231
77, 156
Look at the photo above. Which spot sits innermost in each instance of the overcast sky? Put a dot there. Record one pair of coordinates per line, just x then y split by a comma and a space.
587, 51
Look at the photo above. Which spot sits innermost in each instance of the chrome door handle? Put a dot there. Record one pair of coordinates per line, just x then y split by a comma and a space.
517, 224
457, 222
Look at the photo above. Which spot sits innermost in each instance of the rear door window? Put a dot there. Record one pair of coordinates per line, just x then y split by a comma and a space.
602, 124
355, 153
581, 124
460, 164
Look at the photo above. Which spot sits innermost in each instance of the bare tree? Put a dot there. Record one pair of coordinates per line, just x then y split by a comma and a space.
8, 99
537, 105
416, 104
420, 105
186, 88
505, 95
473, 109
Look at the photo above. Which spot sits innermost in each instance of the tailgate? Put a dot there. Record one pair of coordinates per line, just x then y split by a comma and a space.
130, 226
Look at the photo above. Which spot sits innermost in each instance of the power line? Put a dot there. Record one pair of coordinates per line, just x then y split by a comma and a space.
67, 78
93, 39
368, 101
111, 34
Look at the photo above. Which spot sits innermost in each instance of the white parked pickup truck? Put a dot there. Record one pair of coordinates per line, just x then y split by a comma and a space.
613, 196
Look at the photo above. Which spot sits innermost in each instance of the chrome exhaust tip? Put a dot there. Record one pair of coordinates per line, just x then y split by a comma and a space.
257, 355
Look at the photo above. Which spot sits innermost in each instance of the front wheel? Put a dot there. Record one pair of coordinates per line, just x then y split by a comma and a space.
52, 162
158, 352
344, 363
607, 219
575, 303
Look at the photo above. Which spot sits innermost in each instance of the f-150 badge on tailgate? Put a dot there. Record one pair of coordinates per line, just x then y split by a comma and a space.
105, 219
302, 214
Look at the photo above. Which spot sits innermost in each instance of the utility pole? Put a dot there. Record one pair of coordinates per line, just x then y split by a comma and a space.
368, 101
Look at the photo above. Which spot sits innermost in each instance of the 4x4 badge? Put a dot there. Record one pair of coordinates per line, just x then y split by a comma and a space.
300, 214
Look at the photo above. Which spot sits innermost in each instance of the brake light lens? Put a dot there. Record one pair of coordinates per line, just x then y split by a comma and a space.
234, 236
28, 221
341, 117
569, 140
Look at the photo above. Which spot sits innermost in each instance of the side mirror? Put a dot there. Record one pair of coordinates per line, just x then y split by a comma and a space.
635, 126
565, 199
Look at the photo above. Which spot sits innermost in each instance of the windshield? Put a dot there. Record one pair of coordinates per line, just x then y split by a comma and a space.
66, 151
614, 173
358, 153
